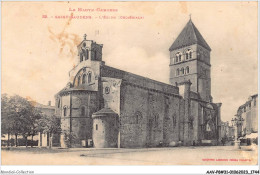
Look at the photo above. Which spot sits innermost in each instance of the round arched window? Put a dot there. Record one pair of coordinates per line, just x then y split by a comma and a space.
188, 54
89, 77
107, 90
182, 71
83, 111
187, 70
178, 56
178, 72
65, 111
84, 79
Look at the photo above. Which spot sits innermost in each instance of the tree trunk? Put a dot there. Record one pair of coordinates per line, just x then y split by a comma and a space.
8, 140
16, 140
26, 142
32, 141
50, 140
40, 140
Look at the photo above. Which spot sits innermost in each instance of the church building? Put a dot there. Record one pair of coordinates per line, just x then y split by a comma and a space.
108, 107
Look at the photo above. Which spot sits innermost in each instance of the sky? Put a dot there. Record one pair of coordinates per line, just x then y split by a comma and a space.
38, 53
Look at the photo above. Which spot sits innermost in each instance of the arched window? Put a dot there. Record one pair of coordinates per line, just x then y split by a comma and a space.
182, 71
89, 77
178, 72
174, 120
188, 54
187, 70
65, 111
191, 123
178, 57
138, 117
83, 111
156, 120
78, 80
81, 57
107, 90
84, 79
86, 54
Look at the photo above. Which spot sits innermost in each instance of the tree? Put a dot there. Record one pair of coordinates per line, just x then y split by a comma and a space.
70, 138
34, 116
18, 117
49, 125
22, 112
11, 121
5, 124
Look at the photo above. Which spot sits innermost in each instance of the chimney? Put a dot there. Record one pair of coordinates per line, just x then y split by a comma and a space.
49, 103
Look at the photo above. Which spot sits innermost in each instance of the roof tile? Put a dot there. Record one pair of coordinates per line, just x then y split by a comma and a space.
188, 36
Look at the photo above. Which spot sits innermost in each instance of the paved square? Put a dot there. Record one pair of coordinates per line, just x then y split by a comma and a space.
215, 155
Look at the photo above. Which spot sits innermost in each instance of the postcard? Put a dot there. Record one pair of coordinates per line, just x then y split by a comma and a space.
129, 83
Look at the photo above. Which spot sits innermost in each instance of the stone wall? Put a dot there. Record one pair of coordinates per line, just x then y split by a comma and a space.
80, 105
195, 121
111, 93
96, 51
105, 131
147, 117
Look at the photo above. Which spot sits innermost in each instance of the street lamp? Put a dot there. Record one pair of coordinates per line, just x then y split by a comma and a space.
236, 122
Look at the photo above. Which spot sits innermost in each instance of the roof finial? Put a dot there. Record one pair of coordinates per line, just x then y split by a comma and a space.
85, 36
190, 16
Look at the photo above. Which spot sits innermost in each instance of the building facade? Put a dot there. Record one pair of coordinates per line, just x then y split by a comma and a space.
248, 112
49, 110
115, 108
227, 131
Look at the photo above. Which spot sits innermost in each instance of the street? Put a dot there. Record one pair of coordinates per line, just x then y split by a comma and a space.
214, 155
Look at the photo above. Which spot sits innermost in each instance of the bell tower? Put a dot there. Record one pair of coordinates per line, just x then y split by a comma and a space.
89, 50
190, 61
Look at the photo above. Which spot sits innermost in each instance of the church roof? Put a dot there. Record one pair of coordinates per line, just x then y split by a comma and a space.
188, 36
103, 112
